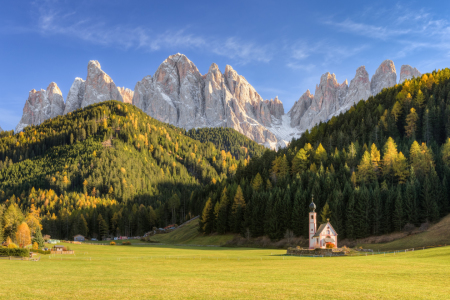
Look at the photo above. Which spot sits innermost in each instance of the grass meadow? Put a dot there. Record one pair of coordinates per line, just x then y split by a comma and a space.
185, 272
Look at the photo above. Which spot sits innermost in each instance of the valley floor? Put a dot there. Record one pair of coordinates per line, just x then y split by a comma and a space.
177, 272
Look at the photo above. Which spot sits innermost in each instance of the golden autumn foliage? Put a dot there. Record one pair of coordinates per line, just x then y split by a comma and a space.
23, 236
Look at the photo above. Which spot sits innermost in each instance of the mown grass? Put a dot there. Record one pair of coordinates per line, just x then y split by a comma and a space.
182, 272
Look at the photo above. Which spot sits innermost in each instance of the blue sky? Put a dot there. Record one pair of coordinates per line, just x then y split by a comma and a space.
280, 47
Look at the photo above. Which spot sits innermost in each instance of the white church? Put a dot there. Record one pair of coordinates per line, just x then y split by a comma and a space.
325, 236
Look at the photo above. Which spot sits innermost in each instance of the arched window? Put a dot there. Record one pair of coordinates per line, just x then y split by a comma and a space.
312, 217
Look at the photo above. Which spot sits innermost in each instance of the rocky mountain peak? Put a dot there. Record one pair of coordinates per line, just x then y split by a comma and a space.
127, 94
385, 76
75, 96
275, 107
41, 105
99, 86
300, 107
359, 88
407, 72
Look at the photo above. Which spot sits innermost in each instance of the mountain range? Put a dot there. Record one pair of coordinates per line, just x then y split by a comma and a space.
179, 94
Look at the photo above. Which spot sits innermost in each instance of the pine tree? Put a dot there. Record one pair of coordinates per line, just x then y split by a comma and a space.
320, 155
398, 211
446, 152
377, 210
222, 217
237, 210
205, 221
102, 227
257, 182
38, 238
300, 161
400, 168
410, 208
366, 172
375, 157
419, 100
325, 215
351, 217
411, 126
298, 219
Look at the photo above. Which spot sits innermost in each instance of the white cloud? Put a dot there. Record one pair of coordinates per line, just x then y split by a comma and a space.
54, 22
325, 51
368, 30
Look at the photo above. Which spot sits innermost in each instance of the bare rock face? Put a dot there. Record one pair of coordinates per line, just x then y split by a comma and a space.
99, 86
300, 107
407, 72
275, 107
359, 88
327, 100
178, 94
216, 96
41, 105
127, 94
142, 91
384, 77
75, 96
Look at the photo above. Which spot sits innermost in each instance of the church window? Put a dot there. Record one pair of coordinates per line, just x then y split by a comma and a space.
312, 217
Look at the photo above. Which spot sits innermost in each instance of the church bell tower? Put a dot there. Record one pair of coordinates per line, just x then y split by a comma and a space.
312, 223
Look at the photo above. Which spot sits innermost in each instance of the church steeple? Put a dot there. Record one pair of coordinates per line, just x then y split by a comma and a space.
312, 223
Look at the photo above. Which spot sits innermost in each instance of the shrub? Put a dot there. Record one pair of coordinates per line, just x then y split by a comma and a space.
14, 252
112, 243
35, 246
330, 246
126, 243
12, 246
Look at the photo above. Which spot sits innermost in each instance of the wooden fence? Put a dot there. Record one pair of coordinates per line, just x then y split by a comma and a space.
62, 252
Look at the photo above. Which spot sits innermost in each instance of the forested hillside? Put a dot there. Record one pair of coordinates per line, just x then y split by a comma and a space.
383, 164
105, 170
228, 139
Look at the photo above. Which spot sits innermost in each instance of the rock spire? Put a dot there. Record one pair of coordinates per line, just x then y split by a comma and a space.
41, 105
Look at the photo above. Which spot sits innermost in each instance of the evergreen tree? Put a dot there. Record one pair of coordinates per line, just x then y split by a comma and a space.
398, 211
257, 182
206, 223
325, 215
237, 211
102, 227
38, 238
300, 161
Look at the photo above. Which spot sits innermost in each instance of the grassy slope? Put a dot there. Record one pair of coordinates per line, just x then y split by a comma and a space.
157, 272
189, 235
438, 234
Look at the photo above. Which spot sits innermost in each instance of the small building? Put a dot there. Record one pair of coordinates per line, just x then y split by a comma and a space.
79, 238
323, 237
53, 241
58, 248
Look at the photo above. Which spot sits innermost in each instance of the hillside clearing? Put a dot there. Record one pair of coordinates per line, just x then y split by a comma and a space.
188, 234
438, 234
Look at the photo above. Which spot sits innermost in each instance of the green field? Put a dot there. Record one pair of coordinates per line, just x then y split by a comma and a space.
177, 272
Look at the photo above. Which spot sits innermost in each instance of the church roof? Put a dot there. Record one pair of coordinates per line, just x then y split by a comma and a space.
322, 227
